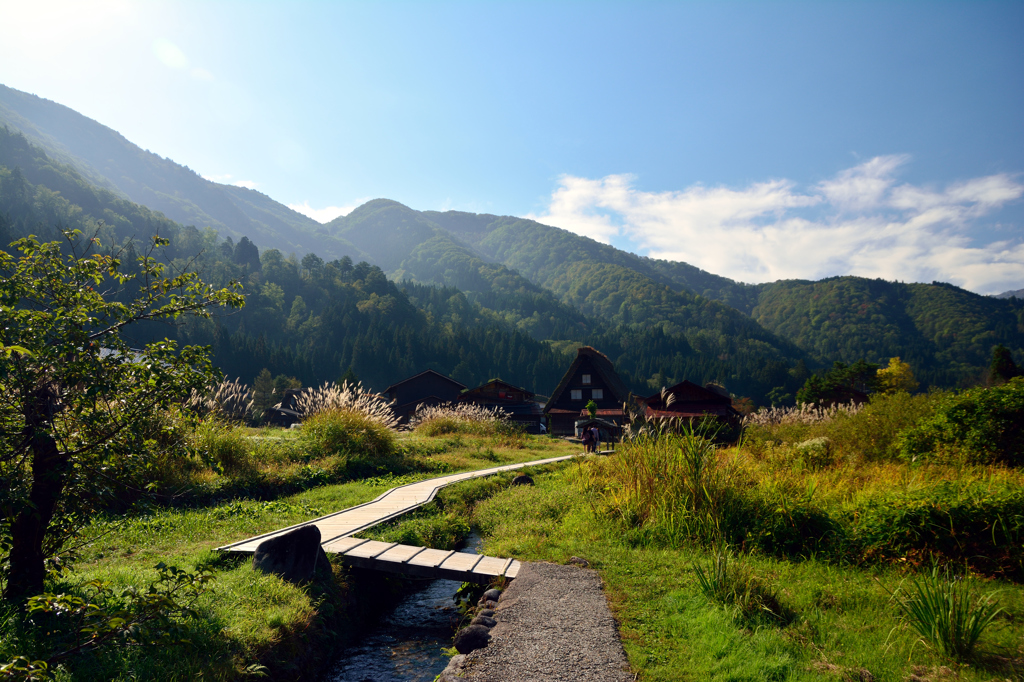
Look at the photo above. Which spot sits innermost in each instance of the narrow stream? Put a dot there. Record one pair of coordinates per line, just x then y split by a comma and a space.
405, 645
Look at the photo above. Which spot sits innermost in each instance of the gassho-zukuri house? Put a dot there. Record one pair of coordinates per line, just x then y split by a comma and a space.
590, 377
517, 402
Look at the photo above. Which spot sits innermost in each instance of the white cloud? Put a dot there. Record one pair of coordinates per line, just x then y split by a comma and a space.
860, 222
328, 213
228, 179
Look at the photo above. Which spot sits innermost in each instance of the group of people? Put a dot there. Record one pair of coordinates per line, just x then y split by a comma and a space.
591, 438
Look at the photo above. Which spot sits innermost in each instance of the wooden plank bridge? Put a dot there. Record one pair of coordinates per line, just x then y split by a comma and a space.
337, 529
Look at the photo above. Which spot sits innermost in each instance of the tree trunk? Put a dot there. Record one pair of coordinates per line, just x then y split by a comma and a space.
50, 469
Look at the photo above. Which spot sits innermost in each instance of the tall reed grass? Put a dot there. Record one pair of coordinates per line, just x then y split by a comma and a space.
347, 397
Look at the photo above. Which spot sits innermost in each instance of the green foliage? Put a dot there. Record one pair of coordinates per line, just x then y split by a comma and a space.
733, 585
82, 408
978, 425
946, 613
224, 448
841, 384
868, 435
365, 444
944, 332
1003, 368
96, 615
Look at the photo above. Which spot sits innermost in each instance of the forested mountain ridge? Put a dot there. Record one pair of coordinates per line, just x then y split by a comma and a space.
659, 320
311, 319
106, 159
946, 333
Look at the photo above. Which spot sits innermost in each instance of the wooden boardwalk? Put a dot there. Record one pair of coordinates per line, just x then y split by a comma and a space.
336, 530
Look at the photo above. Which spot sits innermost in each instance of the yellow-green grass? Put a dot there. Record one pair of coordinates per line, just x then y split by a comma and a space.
246, 618
844, 618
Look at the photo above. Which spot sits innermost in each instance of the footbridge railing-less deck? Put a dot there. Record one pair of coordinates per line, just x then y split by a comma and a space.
336, 532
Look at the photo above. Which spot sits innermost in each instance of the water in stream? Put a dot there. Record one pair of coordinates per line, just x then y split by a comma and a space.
405, 646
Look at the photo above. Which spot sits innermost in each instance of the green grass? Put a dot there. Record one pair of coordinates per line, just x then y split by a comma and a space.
246, 618
843, 619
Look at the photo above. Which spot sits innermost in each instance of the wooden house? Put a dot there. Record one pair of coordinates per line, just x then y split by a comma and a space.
590, 377
425, 388
517, 402
687, 400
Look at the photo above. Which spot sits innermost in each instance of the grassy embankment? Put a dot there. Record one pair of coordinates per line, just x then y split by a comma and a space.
241, 483
818, 533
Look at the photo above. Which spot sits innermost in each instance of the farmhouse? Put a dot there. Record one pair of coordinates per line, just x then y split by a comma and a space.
425, 388
517, 402
590, 377
687, 400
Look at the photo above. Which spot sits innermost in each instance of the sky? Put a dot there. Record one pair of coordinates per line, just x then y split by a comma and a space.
756, 140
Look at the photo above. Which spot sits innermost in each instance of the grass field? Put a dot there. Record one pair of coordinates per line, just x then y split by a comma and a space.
246, 624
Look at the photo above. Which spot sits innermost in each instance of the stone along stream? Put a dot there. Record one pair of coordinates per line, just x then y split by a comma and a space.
405, 645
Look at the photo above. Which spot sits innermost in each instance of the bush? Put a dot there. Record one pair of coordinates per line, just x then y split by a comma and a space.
361, 439
981, 426
224, 448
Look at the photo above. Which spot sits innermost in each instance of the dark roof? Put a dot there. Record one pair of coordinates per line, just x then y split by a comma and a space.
499, 382
687, 392
416, 376
604, 368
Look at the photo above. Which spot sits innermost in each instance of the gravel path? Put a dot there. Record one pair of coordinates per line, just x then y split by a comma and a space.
553, 624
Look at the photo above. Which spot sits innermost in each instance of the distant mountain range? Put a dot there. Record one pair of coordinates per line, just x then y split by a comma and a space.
562, 288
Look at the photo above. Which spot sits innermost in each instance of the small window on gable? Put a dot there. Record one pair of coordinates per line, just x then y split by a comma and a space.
597, 394
576, 394
586, 379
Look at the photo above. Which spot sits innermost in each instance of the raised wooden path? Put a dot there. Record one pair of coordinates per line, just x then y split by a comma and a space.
336, 532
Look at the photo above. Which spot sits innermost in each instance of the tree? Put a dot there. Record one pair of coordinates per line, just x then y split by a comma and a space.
841, 384
1003, 368
896, 377
81, 407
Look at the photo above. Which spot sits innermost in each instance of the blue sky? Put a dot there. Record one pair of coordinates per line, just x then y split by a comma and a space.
755, 140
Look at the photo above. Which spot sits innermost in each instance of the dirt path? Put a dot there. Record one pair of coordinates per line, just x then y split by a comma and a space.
553, 624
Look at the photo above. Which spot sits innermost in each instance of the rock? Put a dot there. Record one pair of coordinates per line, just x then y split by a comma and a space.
486, 621
293, 556
488, 604
452, 670
579, 561
491, 595
471, 638
522, 479
485, 612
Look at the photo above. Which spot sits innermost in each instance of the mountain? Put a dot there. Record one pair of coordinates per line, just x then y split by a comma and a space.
1019, 293
946, 333
106, 159
660, 320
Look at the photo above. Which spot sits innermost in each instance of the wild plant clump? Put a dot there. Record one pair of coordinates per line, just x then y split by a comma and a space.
363, 442
347, 396
438, 420
946, 613
807, 413
230, 400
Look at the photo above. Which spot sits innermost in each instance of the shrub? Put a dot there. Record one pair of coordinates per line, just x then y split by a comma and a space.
224, 448
981, 425
351, 433
946, 613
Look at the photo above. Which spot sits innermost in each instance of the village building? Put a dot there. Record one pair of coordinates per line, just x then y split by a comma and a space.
590, 377
687, 400
425, 388
517, 402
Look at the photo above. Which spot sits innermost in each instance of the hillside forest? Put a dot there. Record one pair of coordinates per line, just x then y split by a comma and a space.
478, 297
